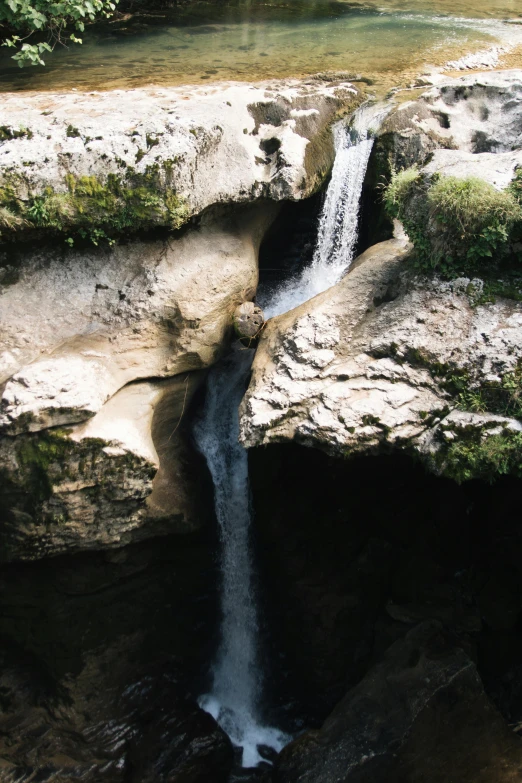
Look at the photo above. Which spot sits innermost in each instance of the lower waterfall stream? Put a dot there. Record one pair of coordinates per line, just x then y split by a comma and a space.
235, 696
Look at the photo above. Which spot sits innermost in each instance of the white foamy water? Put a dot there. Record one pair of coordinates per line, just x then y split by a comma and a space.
237, 679
235, 696
338, 223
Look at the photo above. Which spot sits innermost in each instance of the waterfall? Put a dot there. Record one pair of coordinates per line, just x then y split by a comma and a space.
339, 219
234, 699
237, 672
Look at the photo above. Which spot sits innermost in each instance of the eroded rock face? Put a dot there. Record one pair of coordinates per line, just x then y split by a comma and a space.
367, 365
78, 326
124, 475
469, 126
420, 714
208, 145
107, 346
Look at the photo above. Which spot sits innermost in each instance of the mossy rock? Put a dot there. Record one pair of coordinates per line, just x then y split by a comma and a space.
89, 209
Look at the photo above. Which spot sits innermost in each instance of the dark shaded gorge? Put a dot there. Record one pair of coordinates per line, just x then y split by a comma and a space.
103, 653
352, 553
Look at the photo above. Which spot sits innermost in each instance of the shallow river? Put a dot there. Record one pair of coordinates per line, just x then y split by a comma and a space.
388, 41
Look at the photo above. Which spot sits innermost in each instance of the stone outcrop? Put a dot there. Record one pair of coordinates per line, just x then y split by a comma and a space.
107, 345
102, 347
77, 326
199, 147
469, 126
419, 714
387, 360
124, 475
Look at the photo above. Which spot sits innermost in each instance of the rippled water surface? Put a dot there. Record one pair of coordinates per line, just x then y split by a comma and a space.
255, 40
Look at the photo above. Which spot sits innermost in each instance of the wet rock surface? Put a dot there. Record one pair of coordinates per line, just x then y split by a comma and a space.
97, 653
419, 714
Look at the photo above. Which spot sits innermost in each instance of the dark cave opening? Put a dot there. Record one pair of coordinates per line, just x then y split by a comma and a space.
353, 553
288, 245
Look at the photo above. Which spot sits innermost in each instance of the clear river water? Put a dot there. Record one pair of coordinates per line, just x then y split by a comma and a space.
248, 40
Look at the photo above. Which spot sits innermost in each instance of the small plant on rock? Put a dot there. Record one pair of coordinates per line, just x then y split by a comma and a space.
456, 225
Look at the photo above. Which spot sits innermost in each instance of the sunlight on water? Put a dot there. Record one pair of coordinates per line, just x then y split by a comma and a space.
339, 220
253, 41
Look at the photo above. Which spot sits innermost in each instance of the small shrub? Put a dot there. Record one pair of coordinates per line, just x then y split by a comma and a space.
484, 458
478, 217
456, 225
399, 189
515, 186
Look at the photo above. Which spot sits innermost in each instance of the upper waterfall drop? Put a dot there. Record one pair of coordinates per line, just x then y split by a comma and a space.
339, 220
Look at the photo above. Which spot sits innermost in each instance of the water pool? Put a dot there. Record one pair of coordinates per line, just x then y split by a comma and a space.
386, 41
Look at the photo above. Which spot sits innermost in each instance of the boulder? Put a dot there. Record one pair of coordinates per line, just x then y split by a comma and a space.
388, 360
420, 714
248, 320
162, 154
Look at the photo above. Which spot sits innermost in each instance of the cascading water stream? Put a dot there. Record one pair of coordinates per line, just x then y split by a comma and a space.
234, 699
339, 220
237, 672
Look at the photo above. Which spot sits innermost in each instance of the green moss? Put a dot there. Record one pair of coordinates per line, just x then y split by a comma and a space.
35, 455
503, 397
92, 209
7, 133
72, 132
151, 141
482, 457
456, 225
46, 458
508, 288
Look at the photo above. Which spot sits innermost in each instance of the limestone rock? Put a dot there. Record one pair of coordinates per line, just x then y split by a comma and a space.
248, 320
496, 168
419, 714
470, 125
209, 144
124, 475
366, 365
77, 326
